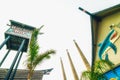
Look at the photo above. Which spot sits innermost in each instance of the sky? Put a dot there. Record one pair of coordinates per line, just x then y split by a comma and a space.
63, 22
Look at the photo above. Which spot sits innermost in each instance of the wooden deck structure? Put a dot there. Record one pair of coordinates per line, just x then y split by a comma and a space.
21, 74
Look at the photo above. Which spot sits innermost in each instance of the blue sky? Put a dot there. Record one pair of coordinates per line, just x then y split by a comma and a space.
63, 22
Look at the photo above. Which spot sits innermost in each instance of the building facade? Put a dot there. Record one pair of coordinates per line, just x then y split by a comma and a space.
106, 38
106, 33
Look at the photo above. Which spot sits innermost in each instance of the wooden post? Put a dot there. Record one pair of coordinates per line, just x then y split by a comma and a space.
63, 71
82, 56
72, 67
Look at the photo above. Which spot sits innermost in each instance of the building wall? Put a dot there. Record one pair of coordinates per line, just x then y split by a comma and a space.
102, 31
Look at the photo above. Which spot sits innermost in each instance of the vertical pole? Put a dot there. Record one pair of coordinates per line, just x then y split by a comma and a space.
4, 42
4, 57
82, 56
63, 71
14, 61
73, 68
14, 72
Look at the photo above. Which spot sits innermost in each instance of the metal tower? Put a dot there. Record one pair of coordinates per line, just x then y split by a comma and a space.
17, 38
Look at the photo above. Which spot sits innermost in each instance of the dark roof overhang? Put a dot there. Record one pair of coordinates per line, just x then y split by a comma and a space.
108, 11
21, 25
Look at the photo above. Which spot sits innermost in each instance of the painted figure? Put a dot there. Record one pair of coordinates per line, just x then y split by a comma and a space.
107, 44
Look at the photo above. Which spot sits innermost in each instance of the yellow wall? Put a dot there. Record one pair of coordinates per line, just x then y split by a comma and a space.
102, 31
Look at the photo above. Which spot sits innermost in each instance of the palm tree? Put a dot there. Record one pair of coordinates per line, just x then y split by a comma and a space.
100, 67
34, 58
87, 75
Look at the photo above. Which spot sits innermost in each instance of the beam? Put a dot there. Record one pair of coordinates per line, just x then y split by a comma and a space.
90, 14
4, 42
4, 57
14, 72
14, 61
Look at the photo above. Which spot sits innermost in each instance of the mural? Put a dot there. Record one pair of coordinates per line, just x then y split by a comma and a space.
113, 74
106, 44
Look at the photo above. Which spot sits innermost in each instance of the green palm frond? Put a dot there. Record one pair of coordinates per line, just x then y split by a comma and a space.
34, 58
34, 47
89, 75
99, 68
85, 75
43, 56
102, 65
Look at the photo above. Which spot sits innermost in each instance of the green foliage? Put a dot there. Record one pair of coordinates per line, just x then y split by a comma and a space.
100, 67
89, 75
34, 57
42, 56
